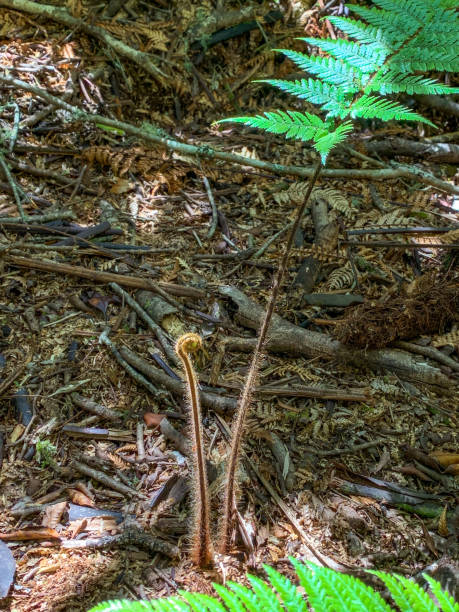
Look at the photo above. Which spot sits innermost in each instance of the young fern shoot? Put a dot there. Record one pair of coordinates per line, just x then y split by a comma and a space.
249, 385
201, 550
400, 38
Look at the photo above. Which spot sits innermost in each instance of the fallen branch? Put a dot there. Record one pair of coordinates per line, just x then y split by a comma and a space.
204, 151
285, 337
101, 277
436, 152
132, 536
62, 16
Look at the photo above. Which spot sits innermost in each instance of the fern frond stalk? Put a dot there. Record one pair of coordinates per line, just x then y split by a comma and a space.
229, 502
201, 551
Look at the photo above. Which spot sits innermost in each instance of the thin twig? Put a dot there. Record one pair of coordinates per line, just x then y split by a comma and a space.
155, 328
104, 339
14, 186
210, 195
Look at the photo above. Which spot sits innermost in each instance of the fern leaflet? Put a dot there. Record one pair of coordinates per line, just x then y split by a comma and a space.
325, 591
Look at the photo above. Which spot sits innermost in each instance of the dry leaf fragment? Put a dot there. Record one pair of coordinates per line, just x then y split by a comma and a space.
16, 433
53, 514
453, 469
32, 533
443, 524
79, 498
153, 420
445, 459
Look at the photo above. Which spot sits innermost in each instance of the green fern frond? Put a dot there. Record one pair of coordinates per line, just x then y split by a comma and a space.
363, 57
361, 31
420, 58
374, 107
325, 591
418, 599
247, 597
266, 597
302, 126
229, 598
395, 82
291, 597
406, 25
198, 602
123, 605
314, 91
330, 70
317, 594
447, 603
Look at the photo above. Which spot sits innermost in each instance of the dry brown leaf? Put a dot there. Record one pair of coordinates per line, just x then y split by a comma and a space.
445, 459
16, 433
152, 419
53, 514
443, 523
453, 469
121, 185
79, 498
32, 533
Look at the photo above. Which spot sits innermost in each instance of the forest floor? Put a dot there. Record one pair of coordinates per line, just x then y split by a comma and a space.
345, 461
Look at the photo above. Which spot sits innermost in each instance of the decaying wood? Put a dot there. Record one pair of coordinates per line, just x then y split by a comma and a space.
326, 237
285, 337
131, 536
436, 152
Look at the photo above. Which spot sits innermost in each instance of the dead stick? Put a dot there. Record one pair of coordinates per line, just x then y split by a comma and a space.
140, 444
101, 277
107, 481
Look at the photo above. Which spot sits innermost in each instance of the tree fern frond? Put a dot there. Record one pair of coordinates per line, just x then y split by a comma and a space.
198, 602
362, 596
266, 596
248, 597
396, 590
123, 605
302, 126
396, 82
328, 69
332, 584
314, 91
231, 600
317, 595
405, 25
172, 604
412, 59
420, 10
418, 598
367, 58
325, 591
373, 107
324, 144
291, 597
363, 32
446, 601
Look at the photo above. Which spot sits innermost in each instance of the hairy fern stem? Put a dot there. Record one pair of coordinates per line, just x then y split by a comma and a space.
229, 501
201, 550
